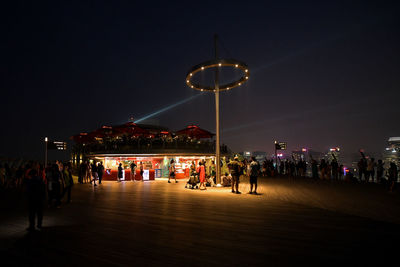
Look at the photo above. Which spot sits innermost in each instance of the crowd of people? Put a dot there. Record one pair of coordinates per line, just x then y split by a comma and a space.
200, 178
90, 172
53, 182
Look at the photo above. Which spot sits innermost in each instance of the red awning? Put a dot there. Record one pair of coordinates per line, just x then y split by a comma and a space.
83, 138
130, 129
194, 131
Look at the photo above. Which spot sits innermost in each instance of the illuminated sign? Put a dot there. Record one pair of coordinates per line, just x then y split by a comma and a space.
280, 145
56, 145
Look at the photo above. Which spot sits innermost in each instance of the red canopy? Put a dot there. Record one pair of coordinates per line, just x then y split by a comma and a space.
194, 131
130, 129
82, 138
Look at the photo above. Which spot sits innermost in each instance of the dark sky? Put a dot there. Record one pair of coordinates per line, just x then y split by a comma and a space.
322, 74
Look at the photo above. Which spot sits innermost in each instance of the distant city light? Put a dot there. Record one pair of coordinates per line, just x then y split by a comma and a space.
304, 149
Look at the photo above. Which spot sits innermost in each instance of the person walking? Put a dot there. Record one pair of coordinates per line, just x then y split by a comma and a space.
133, 171
235, 168
36, 195
254, 172
94, 173
119, 176
172, 171
100, 171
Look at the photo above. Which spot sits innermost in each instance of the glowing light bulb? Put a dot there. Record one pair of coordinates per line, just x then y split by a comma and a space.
236, 65
201, 90
246, 70
191, 74
202, 68
247, 77
187, 81
220, 64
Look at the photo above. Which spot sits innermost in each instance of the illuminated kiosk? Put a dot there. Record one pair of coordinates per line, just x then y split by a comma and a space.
216, 64
154, 146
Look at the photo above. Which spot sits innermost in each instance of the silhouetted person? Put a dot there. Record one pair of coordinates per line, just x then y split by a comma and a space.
362, 168
119, 176
100, 171
54, 184
254, 172
371, 169
133, 171
335, 170
314, 169
69, 182
36, 195
235, 168
172, 171
379, 171
94, 173
393, 175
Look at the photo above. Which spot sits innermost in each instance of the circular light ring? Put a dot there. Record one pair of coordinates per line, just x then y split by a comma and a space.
217, 64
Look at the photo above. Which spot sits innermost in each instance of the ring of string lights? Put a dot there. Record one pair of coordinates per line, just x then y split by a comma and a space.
216, 64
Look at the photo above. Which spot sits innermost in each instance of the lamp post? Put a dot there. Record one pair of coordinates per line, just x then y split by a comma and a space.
217, 63
45, 153
217, 136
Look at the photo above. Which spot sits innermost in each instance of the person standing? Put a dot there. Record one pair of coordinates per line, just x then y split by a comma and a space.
393, 175
254, 172
379, 171
100, 171
172, 171
133, 170
213, 172
68, 180
119, 176
36, 195
335, 169
141, 168
56, 184
235, 167
202, 175
371, 169
94, 173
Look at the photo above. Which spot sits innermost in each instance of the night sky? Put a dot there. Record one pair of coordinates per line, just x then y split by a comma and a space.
322, 74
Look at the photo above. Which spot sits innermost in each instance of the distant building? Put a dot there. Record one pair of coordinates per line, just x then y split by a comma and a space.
392, 151
307, 154
333, 153
259, 155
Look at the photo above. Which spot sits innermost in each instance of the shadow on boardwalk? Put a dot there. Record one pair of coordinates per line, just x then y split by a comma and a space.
292, 222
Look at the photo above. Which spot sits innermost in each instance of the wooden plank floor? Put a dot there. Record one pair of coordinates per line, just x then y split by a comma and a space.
292, 222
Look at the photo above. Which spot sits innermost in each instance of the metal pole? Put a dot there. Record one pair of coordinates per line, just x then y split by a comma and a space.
217, 145
45, 154
276, 156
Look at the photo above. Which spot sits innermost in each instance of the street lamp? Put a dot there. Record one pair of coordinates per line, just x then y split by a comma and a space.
217, 63
45, 153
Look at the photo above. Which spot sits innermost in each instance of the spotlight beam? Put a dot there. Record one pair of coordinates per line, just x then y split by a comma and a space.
148, 116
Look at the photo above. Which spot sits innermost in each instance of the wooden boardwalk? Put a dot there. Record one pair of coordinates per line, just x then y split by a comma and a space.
292, 222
